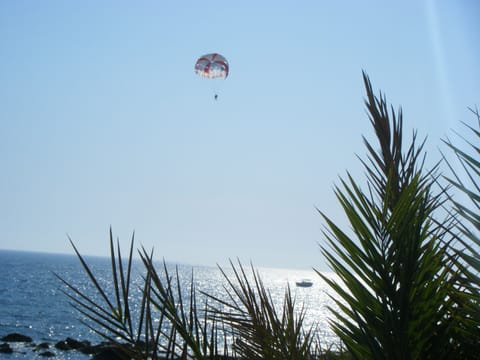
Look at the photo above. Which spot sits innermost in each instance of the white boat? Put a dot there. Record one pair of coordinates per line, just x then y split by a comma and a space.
304, 283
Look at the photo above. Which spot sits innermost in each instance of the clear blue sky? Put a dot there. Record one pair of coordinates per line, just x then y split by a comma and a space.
103, 121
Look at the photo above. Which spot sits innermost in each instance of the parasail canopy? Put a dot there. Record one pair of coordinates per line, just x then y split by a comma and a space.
212, 66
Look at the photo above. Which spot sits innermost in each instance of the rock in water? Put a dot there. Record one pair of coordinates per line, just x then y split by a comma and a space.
5, 349
15, 337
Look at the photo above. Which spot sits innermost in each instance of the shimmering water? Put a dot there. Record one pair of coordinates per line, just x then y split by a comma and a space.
32, 301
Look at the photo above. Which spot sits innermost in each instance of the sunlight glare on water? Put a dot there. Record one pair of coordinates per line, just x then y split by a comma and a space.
315, 300
33, 303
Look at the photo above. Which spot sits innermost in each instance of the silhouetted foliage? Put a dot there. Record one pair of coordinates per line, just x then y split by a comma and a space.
409, 283
396, 276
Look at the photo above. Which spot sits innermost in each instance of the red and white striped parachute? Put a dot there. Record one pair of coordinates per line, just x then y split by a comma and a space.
212, 66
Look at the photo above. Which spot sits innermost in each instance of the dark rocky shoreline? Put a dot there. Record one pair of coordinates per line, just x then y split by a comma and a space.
102, 351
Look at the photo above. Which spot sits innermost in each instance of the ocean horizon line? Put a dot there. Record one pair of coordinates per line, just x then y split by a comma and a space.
227, 264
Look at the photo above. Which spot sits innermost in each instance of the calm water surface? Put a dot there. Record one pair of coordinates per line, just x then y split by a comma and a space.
32, 301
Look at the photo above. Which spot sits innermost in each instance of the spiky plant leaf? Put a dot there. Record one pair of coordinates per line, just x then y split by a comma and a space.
467, 182
396, 281
261, 330
109, 314
193, 334
110, 318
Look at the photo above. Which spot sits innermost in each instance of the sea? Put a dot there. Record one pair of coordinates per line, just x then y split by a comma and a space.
33, 300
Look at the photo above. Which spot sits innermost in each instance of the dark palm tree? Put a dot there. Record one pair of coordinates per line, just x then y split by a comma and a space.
467, 211
262, 330
394, 264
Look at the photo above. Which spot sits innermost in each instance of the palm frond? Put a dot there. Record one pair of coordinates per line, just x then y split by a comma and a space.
468, 225
395, 283
261, 330
193, 330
